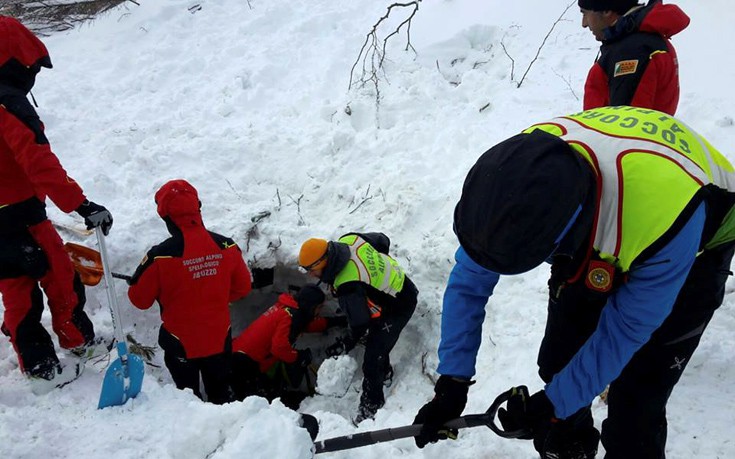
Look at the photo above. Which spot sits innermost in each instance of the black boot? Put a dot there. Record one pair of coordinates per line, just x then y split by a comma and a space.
311, 425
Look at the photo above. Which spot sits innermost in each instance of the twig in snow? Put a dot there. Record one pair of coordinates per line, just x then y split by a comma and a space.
365, 199
566, 80
512, 61
233, 189
252, 232
273, 246
425, 371
538, 51
302, 222
278, 195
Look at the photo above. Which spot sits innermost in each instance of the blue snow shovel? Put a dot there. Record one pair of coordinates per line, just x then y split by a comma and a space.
124, 376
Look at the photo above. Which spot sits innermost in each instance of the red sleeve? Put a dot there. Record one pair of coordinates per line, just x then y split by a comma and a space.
281, 347
317, 325
596, 91
40, 164
241, 281
146, 289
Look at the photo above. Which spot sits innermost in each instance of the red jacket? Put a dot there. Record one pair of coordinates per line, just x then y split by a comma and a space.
29, 170
193, 275
269, 338
637, 64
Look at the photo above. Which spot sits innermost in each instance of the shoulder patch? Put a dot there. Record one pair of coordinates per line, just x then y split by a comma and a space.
628, 67
223, 241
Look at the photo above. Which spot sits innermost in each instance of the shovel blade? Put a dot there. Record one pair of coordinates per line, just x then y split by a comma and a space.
123, 381
87, 263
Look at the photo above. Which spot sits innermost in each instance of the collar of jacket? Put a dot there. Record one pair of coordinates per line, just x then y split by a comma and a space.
627, 24
338, 254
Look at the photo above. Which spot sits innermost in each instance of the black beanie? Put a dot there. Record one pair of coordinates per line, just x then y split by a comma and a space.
309, 297
517, 199
619, 6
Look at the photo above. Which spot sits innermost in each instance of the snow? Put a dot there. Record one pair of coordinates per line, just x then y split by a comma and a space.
249, 101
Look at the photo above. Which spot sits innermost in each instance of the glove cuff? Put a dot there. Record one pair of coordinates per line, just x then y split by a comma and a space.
540, 403
83, 208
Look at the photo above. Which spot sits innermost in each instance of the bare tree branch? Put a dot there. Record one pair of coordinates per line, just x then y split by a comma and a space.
372, 53
365, 199
566, 80
252, 232
574, 2
278, 195
424, 370
512, 61
47, 16
298, 208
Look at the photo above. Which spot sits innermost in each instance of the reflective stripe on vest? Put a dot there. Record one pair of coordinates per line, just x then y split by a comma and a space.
368, 265
649, 166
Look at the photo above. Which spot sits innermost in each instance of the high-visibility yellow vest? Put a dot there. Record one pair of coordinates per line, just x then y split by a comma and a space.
649, 166
371, 267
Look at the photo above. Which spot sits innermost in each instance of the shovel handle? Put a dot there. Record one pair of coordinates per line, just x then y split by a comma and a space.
379, 436
124, 277
493, 410
111, 297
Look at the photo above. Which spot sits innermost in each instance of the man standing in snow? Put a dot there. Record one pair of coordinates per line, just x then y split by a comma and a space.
637, 63
634, 211
375, 294
32, 255
193, 275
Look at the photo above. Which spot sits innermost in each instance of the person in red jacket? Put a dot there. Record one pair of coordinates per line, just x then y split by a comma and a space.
637, 63
193, 275
265, 361
32, 256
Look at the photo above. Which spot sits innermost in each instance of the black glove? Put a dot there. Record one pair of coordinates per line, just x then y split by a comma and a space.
450, 398
336, 349
564, 441
526, 412
336, 321
95, 215
304, 358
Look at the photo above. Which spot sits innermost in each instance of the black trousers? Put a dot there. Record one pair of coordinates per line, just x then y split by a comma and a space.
383, 334
636, 423
214, 370
283, 381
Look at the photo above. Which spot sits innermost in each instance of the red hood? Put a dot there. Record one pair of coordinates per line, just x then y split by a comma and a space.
22, 54
666, 20
179, 201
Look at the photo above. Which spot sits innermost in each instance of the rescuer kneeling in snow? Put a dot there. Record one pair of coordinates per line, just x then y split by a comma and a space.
375, 294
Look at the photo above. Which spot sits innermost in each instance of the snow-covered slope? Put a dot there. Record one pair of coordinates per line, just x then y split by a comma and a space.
249, 101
